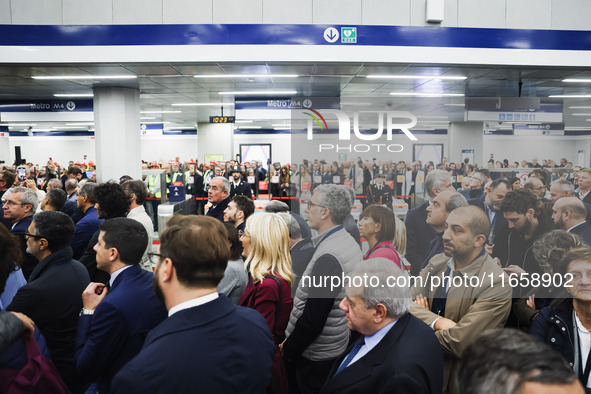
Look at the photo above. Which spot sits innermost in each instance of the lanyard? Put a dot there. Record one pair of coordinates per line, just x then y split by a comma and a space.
331, 232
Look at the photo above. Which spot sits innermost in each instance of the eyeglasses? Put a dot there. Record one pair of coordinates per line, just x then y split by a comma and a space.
12, 203
313, 204
154, 257
29, 235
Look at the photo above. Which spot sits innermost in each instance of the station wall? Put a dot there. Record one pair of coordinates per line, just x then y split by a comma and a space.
513, 148
516, 14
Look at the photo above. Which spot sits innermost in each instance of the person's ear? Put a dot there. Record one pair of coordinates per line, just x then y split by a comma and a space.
380, 313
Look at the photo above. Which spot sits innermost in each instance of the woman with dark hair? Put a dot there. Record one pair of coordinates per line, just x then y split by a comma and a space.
515, 183
378, 226
235, 278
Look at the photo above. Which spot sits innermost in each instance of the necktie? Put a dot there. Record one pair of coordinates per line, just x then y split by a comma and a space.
360, 342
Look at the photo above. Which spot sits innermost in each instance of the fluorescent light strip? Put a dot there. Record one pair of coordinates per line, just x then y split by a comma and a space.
455, 105
282, 128
155, 122
281, 125
259, 92
247, 76
250, 127
160, 112
199, 104
575, 80
577, 128
570, 96
18, 124
73, 95
581, 107
147, 117
70, 127
244, 121
52, 129
442, 77
80, 124
428, 94
72, 77
581, 114
432, 117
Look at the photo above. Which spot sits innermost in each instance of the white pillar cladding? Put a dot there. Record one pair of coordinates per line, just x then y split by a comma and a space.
215, 138
466, 135
117, 132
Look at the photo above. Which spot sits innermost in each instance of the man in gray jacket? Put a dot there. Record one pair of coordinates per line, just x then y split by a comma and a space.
317, 332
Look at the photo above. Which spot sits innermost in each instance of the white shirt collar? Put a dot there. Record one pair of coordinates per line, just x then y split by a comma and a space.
193, 303
116, 273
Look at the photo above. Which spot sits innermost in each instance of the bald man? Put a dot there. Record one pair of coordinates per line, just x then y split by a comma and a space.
569, 214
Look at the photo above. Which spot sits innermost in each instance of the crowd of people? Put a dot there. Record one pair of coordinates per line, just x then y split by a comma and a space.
234, 300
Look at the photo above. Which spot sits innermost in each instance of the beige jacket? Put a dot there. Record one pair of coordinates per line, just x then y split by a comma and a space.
473, 308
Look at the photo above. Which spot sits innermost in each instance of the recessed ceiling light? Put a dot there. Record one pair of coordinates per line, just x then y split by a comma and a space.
199, 104
576, 80
570, 96
73, 95
18, 124
160, 112
72, 77
260, 92
442, 77
247, 76
417, 94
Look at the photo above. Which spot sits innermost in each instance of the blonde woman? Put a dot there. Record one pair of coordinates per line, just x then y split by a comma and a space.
265, 240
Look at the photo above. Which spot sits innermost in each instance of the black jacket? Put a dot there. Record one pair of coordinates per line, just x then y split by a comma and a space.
418, 237
53, 299
242, 189
218, 211
409, 359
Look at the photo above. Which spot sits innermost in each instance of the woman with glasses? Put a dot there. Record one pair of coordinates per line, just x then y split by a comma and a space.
266, 247
378, 226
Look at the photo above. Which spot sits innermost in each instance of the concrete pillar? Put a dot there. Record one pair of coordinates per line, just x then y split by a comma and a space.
117, 132
215, 138
466, 135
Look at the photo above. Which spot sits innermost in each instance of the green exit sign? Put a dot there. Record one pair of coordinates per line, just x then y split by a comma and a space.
221, 119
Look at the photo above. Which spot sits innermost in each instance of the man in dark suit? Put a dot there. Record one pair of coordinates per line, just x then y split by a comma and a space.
237, 185
563, 188
569, 214
207, 344
378, 193
397, 353
89, 223
218, 195
491, 205
19, 204
584, 183
115, 320
418, 233
52, 296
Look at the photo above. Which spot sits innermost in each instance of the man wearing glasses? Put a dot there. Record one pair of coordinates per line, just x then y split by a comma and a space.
19, 204
52, 296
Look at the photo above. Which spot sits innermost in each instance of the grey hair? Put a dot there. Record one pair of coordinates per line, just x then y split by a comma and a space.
276, 206
225, 183
71, 184
480, 176
292, 225
456, 200
396, 299
87, 189
352, 192
28, 196
435, 179
54, 183
565, 186
336, 199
